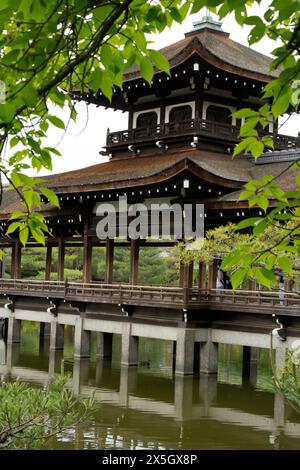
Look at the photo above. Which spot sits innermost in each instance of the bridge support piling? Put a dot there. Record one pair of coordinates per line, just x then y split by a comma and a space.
56, 357
209, 356
14, 330
250, 364
185, 351
280, 356
56, 336
12, 355
129, 346
44, 336
104, 343
82, 340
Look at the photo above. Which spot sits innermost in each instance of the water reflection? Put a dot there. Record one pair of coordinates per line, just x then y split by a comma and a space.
144, 410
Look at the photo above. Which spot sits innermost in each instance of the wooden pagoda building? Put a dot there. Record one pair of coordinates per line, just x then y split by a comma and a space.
177, 147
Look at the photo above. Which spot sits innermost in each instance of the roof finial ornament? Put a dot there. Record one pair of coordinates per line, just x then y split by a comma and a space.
207, 22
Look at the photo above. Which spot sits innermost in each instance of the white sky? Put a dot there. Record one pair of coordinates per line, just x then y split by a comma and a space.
84, 139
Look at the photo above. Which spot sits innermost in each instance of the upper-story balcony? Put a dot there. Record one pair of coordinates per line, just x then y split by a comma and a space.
201, 128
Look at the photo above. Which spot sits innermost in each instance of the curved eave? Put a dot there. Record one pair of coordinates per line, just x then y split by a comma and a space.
195, 46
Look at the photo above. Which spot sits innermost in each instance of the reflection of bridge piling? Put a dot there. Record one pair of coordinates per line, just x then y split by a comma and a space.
193, 398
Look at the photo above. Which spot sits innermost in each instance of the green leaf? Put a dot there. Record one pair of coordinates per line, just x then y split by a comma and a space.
7, 112
281, 104
51, 196
146, 69
29, 95
262, 202
56, 121
248, 223
260, 227
38, 235
265, 276
285, 264
106, 55
17, 215
237, 277
159, 61
245, 113
197, 5
23, 235
12, 227
256, 148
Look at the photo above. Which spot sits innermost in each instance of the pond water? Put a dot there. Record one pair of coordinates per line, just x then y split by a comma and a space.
149, 408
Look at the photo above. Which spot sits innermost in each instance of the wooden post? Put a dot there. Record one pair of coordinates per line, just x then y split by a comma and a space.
181, 274
134, 261
48, 263
212, 274
288, 285
61, 259
188, 275
87, 254
162, 114
251, 284
16, 260
202, 276
109, 261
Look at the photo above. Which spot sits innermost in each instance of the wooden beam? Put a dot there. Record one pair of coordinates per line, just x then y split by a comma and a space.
48, 263
134, 261
61, 259
87, 254
109, 261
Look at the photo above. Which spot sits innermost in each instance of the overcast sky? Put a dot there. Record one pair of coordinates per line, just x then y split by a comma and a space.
84, 139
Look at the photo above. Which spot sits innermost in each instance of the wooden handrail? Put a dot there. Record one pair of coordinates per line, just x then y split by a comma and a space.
148, 295
192, 127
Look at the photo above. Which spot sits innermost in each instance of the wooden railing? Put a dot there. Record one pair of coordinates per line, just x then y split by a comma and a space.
194, 127
168, 297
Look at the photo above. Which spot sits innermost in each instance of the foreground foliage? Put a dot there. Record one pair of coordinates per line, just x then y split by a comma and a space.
29, 416
55, 49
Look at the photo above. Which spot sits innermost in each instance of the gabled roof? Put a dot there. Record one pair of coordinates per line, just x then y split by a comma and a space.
216, 48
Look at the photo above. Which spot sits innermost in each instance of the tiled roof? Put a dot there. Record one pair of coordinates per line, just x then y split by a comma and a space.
217, 48
146, 170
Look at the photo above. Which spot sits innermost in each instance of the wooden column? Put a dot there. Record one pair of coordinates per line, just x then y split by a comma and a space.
16, 260
61, 259
130, 120
162, 113
212, 274
109, 261
181, 274
48, 263
202, 276
188, 275
288, 285
134, 261
87, 254
251, 284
